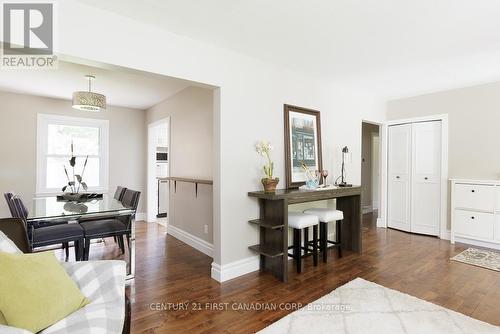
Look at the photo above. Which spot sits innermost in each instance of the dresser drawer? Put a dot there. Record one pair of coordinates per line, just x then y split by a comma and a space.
474, 197
474, 224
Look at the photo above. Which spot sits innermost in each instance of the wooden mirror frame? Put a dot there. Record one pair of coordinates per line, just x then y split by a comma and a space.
288, 172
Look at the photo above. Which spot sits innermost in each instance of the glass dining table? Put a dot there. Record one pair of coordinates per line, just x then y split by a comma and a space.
52, 209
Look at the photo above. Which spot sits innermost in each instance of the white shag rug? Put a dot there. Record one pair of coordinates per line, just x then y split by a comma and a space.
362, 307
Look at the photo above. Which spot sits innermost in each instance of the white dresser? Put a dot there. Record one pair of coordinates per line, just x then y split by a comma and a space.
475, 212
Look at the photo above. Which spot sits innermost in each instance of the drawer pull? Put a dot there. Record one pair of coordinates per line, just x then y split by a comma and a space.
472, 217
397, 177
426, 178
473, 191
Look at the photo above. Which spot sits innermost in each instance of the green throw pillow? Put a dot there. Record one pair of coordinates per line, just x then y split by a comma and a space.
36, 291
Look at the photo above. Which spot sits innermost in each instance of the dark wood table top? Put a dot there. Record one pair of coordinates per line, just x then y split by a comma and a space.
298, 196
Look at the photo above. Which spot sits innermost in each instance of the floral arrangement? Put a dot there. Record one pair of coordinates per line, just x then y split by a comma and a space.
264, 148
72, 182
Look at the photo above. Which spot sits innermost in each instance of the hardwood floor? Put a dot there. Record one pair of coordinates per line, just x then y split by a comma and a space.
170, 272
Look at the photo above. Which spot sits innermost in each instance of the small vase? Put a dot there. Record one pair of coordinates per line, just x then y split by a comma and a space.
270, 184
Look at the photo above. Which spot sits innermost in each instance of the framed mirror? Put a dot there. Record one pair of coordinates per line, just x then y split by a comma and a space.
302, 144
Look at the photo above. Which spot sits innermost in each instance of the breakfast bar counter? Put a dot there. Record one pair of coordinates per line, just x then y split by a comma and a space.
273, 222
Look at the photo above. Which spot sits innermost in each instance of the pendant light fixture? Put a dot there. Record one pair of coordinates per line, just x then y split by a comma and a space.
89, 101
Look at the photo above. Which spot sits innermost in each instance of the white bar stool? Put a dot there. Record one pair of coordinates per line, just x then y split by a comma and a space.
325, 216
301, 221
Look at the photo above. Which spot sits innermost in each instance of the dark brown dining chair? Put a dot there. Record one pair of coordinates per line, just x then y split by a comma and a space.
119, 192
8, 198
114, 226
49, 235
15, 230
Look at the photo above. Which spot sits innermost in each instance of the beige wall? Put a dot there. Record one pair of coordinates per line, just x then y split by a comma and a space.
191, 126
191, 141
18, 119
474, 118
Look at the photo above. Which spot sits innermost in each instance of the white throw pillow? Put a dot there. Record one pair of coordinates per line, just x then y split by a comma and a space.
7, 245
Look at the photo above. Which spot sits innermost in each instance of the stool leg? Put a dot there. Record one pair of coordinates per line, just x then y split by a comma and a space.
306, 240
315, 245
324, 241
296, 249
338, 236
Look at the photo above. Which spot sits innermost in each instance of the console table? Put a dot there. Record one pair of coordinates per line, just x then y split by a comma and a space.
273, 223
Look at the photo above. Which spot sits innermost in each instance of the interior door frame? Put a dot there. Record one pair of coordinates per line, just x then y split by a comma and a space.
376, 190
150, 168
444, 232
382, 133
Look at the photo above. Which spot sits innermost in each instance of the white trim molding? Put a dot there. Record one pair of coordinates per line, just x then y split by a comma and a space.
43, 122
443, 230
234, 269
446, 235
191, 240
479, 243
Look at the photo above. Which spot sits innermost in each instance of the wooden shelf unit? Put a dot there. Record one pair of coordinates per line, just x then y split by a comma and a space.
273, 223
264, 224
266, 251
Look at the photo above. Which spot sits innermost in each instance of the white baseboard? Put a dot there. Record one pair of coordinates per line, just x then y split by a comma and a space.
381, 222
140, 216
234, 269
193, 241
477, 243
445, 235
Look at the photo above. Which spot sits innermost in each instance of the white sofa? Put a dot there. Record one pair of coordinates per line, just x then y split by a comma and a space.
103, 282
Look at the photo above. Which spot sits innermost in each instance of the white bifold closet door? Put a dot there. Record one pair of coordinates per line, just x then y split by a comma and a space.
426, 178
399, 175
414, 176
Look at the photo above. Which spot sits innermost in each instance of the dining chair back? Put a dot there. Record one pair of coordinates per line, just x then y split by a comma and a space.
120, 191
15, 230
20, 210
8, 197
131, 198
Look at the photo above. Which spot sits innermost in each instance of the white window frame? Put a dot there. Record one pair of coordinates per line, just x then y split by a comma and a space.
43, 121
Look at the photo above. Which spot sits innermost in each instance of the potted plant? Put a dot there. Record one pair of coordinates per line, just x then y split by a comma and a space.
263, 148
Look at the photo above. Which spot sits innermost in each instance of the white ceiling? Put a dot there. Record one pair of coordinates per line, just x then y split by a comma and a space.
122, 87
330, 37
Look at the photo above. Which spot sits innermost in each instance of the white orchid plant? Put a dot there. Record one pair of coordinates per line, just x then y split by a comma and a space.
264, 148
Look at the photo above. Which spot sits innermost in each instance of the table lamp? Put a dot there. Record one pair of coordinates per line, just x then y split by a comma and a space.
345, 158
